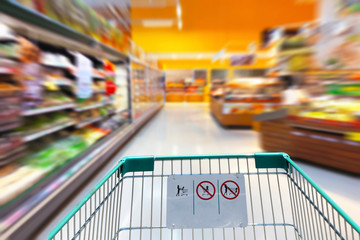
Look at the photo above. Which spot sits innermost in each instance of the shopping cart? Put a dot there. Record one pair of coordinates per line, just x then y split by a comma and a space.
282, 201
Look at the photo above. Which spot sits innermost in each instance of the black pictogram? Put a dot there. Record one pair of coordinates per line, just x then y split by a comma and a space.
181, 191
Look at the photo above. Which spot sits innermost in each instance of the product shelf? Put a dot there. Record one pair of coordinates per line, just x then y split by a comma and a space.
53, 31
70, 177
98, 105
12, 152
298, 51
47, 131
120, 110
13, 155
98, 77
24, 214
89, 121
47, 109
9, 126
54, 65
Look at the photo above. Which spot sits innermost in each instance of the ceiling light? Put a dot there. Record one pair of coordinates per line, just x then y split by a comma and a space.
199, 56
180, 25
178, 10
174, 56
157, 23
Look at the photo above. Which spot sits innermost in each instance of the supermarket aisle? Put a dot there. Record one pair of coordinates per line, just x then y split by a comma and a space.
189, 129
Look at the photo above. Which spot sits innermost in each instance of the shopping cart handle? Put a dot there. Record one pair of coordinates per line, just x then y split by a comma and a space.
272, 160
136, 164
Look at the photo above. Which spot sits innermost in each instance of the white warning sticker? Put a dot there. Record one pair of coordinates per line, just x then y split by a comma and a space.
206, 201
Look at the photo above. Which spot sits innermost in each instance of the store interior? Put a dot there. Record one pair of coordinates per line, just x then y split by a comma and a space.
84, 83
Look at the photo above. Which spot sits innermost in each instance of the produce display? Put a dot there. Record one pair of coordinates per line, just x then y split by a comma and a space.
248, 108
175, 87
256, 90
235, 102
185, 85
196, 86
332, 112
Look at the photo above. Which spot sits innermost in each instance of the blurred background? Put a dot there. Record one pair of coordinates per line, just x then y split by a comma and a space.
85, 82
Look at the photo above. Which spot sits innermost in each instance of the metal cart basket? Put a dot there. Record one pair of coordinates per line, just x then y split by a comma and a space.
282, 201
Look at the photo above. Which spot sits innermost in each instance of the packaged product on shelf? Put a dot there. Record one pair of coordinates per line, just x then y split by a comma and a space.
10, 144
31, 74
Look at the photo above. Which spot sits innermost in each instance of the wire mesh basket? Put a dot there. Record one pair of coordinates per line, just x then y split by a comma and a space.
130, 202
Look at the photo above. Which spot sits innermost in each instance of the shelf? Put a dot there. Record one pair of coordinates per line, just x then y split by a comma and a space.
14, 59
51, 31
87, 122
81, 109
8, 38
63, 83
45, 132
99, 91
53, 65
60, 83
14, 155
9, 126
44, 198
12, 152
98, 77
47, 109
299, 51
324, 125
320, 129
121, 110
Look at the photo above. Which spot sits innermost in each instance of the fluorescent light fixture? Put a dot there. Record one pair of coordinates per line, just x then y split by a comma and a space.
200, 56
180, 25
158, 23
174, 56
178, 10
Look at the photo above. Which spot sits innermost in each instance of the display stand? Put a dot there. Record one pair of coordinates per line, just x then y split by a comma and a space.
229, 120
314, 142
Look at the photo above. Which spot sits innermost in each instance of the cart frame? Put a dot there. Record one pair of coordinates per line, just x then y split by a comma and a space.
336, 221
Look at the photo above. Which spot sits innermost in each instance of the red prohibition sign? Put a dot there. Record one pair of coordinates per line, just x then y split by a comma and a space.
205, 190
236, 193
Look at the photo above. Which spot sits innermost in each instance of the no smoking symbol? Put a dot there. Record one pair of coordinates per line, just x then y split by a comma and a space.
230, 190
205, 190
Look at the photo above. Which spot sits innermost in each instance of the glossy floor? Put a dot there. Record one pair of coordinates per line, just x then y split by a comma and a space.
183, 129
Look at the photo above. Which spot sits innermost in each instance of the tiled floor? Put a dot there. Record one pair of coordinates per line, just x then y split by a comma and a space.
182, 129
